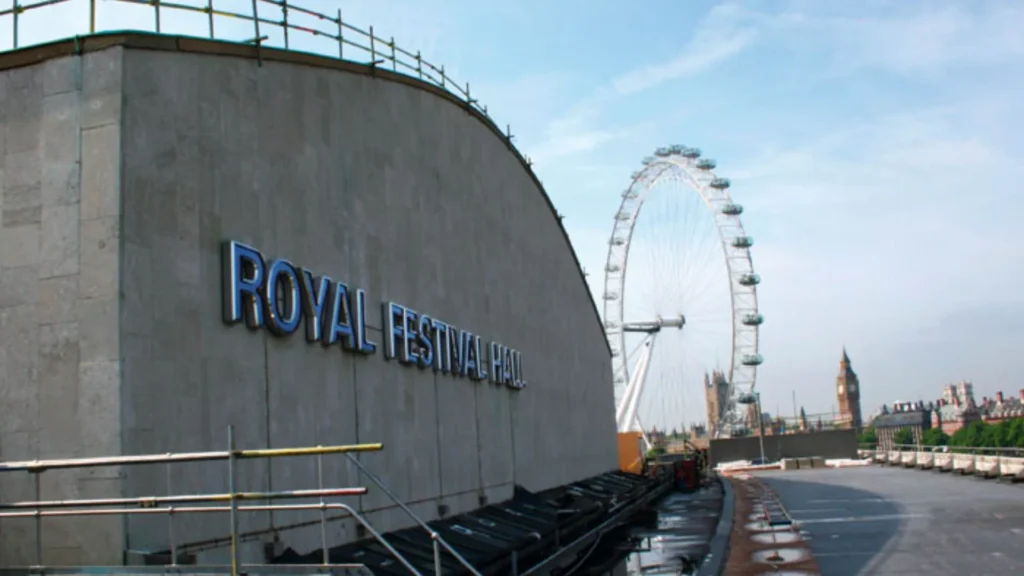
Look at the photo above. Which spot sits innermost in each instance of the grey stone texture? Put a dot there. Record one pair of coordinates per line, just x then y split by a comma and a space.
111, 280
59, 276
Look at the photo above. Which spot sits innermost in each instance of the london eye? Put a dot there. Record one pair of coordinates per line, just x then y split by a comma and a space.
680, 296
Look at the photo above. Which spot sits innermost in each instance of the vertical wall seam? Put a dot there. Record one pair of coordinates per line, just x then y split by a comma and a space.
437, 427
120, 270
479, 446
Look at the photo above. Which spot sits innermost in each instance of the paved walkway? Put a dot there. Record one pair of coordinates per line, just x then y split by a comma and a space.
886, 521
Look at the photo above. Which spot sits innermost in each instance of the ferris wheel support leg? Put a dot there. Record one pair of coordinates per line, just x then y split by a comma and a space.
627, 399
641, 376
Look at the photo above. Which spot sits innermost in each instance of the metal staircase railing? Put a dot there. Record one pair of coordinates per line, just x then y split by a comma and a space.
172, 505
439, 542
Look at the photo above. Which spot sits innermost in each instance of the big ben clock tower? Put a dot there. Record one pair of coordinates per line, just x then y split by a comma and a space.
848, 394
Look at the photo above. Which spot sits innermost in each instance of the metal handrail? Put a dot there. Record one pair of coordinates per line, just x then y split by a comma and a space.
39, 509
435, 537
184, 499
381, 51
171, 457
171, 510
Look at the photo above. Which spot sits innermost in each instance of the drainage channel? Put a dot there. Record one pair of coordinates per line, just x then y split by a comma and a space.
765, 539
670, 538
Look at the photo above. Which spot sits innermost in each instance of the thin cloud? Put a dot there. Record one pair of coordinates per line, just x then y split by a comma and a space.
716, 39
698, 57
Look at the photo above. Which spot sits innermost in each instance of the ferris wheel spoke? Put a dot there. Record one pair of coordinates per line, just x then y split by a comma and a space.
689, 256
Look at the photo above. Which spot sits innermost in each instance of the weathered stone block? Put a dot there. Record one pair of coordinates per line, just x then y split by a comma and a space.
99, 406
19, 339
21, 189
98, 272
62, 75
100, 186
61, 128
59, 241
57, 299
98, 321
58, 390
18, 286
60, 184
19, 246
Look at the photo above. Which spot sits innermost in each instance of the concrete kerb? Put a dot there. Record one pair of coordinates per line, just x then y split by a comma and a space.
718, 550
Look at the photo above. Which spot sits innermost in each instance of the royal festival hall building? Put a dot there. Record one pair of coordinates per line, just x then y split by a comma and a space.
200, 234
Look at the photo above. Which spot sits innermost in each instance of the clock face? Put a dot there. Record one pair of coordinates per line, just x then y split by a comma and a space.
853, 388
841, 387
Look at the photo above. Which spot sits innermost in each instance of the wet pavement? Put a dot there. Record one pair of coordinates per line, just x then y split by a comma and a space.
675, 537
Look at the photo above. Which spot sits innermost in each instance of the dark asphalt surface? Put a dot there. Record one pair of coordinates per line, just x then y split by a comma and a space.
886, 521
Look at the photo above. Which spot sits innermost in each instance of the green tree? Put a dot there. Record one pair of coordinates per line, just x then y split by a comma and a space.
934, 437
868, 437
1005, 434
970, 436
904, 436
656, 451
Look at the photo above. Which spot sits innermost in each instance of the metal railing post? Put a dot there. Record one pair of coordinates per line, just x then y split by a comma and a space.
323, 508
170, 522
284, 12
39, 519
434, 536
233, 488
209, 16
15, 10
373, 49
256, 21
341, 41
437, 556
92, 16
156, 10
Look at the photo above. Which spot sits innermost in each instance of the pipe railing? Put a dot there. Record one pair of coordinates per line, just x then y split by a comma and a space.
381, 51
38, 508
172, 510
435, 537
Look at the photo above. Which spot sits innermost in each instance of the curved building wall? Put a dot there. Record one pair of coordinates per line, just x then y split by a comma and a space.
388, 187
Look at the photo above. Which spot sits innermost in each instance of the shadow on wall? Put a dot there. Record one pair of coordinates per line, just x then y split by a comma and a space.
826, 444
848, 529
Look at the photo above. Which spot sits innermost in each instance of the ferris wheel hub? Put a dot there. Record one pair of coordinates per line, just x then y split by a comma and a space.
656, 325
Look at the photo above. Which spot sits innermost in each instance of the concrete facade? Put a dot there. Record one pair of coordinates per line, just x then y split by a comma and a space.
378, 183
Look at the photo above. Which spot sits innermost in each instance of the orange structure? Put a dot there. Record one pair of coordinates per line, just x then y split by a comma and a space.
631, 454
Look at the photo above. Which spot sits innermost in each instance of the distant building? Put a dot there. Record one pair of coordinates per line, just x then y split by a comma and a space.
848, 396
1000, 408
956, 409
915, 416
716, 392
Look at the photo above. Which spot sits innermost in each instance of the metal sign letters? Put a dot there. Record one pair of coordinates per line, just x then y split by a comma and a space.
282, 297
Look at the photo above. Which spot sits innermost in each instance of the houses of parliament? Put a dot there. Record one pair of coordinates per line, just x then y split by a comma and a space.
848, 414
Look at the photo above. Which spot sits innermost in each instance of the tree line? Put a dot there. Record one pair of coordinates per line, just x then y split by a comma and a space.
1006, 434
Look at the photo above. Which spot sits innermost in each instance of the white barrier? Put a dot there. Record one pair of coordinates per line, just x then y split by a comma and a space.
990, 466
